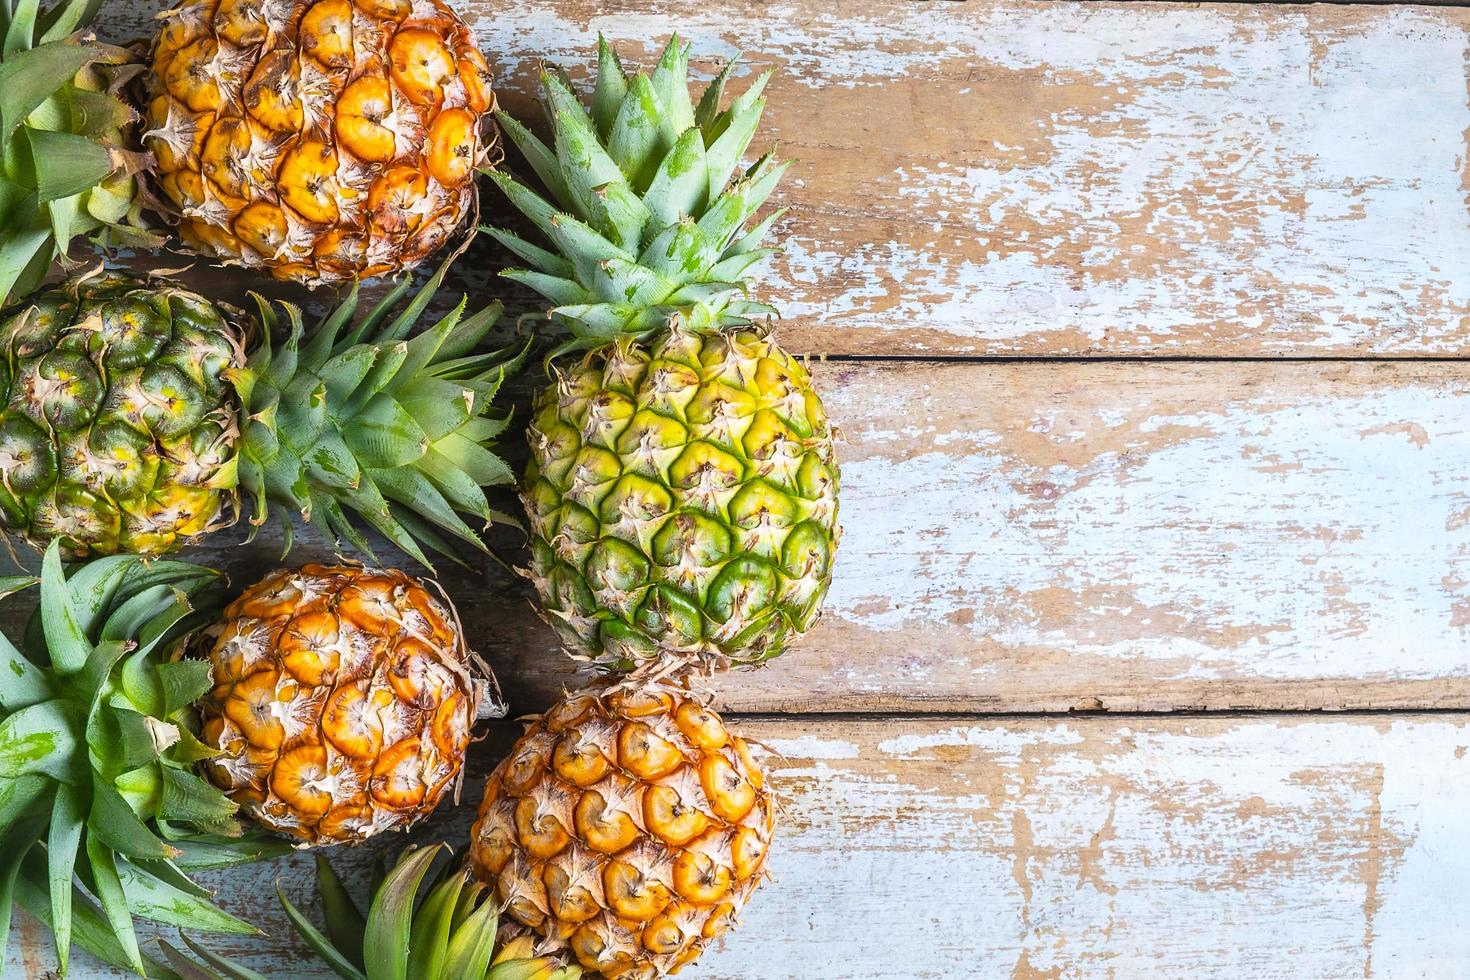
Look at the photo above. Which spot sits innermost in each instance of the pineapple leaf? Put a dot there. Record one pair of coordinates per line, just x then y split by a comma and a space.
186, 968
345, 923
429, 940
322, 946
482, 466
680, 186
90, 929
112, 822
641, 134
153, 898
333, 465
473, 943
385, 435
188, 798
345, 371
423, 350
230, 969
107, 886
63, 840
708, 109
539, 156
43, 739
68, 17
743, 118
462, 492
409, 315
371, 505
13, 851
559, 291
210, 853
411, 488
20, 33
24, 684
389, 360
620, 213
543, 261
439, 407
389, 918
751, 240
671, 83
585, 165
65, 640
612, 87
183, 682
73, 164
28, 78
367, 328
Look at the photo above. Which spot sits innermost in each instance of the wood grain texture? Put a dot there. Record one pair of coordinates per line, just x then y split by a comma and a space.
1267, 848
1050, 536
1012, 178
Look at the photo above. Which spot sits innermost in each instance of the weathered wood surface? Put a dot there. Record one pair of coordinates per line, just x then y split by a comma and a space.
1212, 847
1047, 180
1050, 536
1012, 178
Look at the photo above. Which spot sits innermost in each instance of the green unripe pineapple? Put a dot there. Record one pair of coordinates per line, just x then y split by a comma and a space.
682, 490
134, 418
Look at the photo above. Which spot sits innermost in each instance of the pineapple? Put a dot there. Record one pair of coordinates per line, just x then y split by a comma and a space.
450, 935
630, 826
323, 141
133, 419
682, 488
341, 704
97, 756
64, 168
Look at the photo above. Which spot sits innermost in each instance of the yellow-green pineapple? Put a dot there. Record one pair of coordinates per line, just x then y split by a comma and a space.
682, 489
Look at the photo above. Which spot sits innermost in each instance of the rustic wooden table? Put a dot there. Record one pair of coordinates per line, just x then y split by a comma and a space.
1147, 652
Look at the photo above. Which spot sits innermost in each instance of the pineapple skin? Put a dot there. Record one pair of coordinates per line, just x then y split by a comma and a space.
118, 422
323, 141
630, 827
342, 703
682, 497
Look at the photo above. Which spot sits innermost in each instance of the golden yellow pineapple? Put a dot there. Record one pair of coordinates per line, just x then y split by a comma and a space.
342, 702
325, 140
631, 827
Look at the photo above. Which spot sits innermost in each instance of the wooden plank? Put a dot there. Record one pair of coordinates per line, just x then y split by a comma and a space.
1122, 536
1008, 178
1044, 848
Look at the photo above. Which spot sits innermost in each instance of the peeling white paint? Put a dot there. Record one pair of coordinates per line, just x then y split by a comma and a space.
1284, 532
1190, 179
1284, 850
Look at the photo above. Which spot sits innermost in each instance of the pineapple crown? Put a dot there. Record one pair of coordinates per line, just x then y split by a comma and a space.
647, 225
63, 170
449, 935
97, 787
358, 417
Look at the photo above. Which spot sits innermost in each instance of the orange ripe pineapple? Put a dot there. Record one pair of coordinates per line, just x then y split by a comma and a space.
324, 140
342, 702
631, 827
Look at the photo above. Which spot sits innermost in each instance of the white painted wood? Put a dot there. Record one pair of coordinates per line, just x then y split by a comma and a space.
1220, 848
1005, 177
